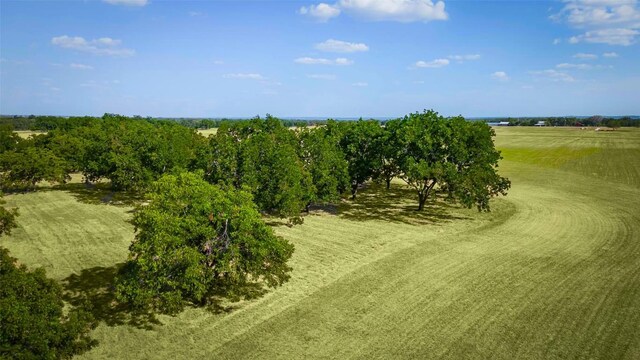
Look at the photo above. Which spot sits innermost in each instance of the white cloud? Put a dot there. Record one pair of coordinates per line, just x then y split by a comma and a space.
322, 12
360, 84
323, 61
432, 64
218, 62
618, 36
585, 56
463, 58
343, 61
553, 75
81, 66
610, 55
396, 10
589, 13
340, 46
249, 76
380, 10
322, 76
500, 76
102, 46
574, 66
612, 22
127, 2
557, 41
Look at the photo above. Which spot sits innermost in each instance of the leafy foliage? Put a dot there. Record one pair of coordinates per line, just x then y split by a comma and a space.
195, 240
34, 325
8, 139
7, 218
324, 160
261, 156
26, 165
389, 151
360, 142
456, 155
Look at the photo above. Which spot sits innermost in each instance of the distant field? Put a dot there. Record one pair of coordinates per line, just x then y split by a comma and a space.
208, 132
552, 272
26, 133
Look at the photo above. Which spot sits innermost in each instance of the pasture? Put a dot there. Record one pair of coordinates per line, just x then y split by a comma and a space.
552, 272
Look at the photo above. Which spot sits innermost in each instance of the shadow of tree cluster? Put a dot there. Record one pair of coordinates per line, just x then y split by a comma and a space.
398, 204
226, 299
101, 193
94, 290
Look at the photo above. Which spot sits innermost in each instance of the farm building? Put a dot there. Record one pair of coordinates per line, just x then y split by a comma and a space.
540, 123
501, 123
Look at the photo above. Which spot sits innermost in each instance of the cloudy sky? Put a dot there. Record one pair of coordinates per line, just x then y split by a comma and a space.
342, 58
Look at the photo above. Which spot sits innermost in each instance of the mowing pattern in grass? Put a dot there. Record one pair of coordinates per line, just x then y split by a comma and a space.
552, 272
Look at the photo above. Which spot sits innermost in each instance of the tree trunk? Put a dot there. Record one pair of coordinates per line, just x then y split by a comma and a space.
388, 183
354, 191
424, 194
422, 198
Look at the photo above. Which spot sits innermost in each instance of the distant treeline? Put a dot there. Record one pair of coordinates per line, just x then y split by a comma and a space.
48, 123
613, 122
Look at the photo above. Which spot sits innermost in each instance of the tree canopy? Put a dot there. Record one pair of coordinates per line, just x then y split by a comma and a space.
456, 155
34, 324
7, 218
195, 240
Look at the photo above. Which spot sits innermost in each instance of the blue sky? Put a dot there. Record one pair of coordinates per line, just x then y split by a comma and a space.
342, 58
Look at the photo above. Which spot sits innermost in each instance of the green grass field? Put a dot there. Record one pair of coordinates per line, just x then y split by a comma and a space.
552, 272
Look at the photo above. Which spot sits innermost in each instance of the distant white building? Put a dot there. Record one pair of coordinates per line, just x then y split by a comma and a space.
501, 123
541, 123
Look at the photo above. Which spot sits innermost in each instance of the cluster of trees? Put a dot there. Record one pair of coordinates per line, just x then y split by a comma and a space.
129, 153
284, 170
202, 235
34, 322
216, 123
49, 122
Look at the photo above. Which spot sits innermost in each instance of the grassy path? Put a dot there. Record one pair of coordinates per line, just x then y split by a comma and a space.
552, 272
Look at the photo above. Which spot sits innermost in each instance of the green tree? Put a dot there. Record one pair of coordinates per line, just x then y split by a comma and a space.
219, 159
195, 240
7, 218
456, 155
389, 152
324, 160
271, 169
33, 322
262, 157
8, 138
24, 167
360, 142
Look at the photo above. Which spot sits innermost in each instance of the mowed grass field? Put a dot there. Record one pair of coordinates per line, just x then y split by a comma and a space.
552, 272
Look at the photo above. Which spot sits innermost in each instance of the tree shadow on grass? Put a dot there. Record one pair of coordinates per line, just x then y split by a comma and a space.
101, 193
399, 204
94, 290
226, 300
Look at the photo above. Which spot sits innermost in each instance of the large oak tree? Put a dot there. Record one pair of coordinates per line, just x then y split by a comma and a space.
195, 240
456, 155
